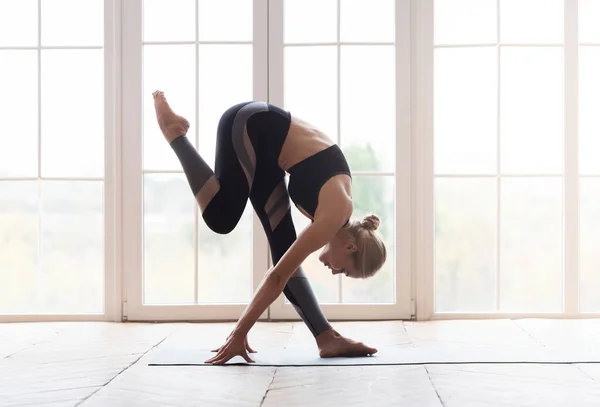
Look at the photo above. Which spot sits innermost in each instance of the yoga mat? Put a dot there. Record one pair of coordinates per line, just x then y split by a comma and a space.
392, 356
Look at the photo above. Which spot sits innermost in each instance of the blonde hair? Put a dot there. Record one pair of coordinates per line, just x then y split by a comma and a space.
371, 253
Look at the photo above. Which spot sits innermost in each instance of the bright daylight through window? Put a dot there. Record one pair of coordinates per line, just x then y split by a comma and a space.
471, 133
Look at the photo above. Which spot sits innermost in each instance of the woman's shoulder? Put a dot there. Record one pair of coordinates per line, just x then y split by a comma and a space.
335, 198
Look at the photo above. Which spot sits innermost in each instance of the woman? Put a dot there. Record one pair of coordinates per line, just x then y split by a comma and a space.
257, 143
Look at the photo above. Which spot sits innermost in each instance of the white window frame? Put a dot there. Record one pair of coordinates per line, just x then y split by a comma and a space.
402, 307
111, 180
424, 234
268, 86
133, 307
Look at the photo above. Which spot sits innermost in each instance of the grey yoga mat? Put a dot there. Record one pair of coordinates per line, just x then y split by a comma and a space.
390, 356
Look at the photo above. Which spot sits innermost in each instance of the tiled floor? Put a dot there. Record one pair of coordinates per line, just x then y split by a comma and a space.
105, 364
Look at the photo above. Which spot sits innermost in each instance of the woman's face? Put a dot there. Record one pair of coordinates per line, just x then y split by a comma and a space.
337, 255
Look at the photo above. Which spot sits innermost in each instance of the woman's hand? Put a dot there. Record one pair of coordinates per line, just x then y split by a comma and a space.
246, 345
235, 345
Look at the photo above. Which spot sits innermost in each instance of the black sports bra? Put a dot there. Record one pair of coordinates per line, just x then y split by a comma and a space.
308, 176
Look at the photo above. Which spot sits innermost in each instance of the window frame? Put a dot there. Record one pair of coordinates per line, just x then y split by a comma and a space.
424, 234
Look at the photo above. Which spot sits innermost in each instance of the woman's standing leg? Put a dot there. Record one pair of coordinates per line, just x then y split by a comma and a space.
271, 202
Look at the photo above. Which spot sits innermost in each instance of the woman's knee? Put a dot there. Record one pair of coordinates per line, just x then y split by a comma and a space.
220, 220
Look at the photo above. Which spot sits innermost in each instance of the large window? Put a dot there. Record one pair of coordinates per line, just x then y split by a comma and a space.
342, 75
324, 71
52, 171
200, 55
206, 60
470, 126
514, 156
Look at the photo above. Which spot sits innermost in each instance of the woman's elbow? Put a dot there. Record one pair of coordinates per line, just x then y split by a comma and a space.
275, 282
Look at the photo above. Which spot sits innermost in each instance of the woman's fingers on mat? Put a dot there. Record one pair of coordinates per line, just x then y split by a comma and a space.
249, 348
248, 358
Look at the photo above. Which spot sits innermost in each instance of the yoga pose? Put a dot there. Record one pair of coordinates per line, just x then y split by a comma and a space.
257, 143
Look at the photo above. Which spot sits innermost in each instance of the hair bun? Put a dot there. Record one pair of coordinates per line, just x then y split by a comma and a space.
370, 222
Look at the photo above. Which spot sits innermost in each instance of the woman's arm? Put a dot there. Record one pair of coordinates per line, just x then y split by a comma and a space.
315, 236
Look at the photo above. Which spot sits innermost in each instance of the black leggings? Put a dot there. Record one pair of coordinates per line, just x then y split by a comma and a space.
249, 139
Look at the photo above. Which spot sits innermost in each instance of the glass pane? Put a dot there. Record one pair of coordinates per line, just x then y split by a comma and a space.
532, 102
589, 236
589, 100
324, 284
72, 275
367, 21
531, 245
18, 23
73, 113
19, 118
168, 239
225, 263
465, 22
466, 110
221, 67
589, 14
374, 195
310, 71
19, 251
225, 20
178, 81
168, 20
372, 125
532, 21
322, 15
73, 22
465, 244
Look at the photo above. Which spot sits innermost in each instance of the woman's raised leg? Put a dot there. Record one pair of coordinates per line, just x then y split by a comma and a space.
221, 194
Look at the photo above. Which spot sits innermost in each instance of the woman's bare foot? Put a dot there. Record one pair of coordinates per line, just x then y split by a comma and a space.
331, 345
172, 125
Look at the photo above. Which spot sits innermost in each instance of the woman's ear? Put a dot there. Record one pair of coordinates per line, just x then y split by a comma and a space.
351, 246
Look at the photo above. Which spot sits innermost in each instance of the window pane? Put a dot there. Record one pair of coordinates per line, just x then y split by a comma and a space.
225, 79
374, 195
532, 21
465, 22
532, 103
310, 71
73, 22
178, 82
367, 20
19, 251
589, 100
225, 20
368, 107
225, 263
168, 239
322, 15
19, 118
589, 14
168, 20
531, 251
72, 113
18, 23
324, 284
466, 110
589, 236
465, 244
72, 275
